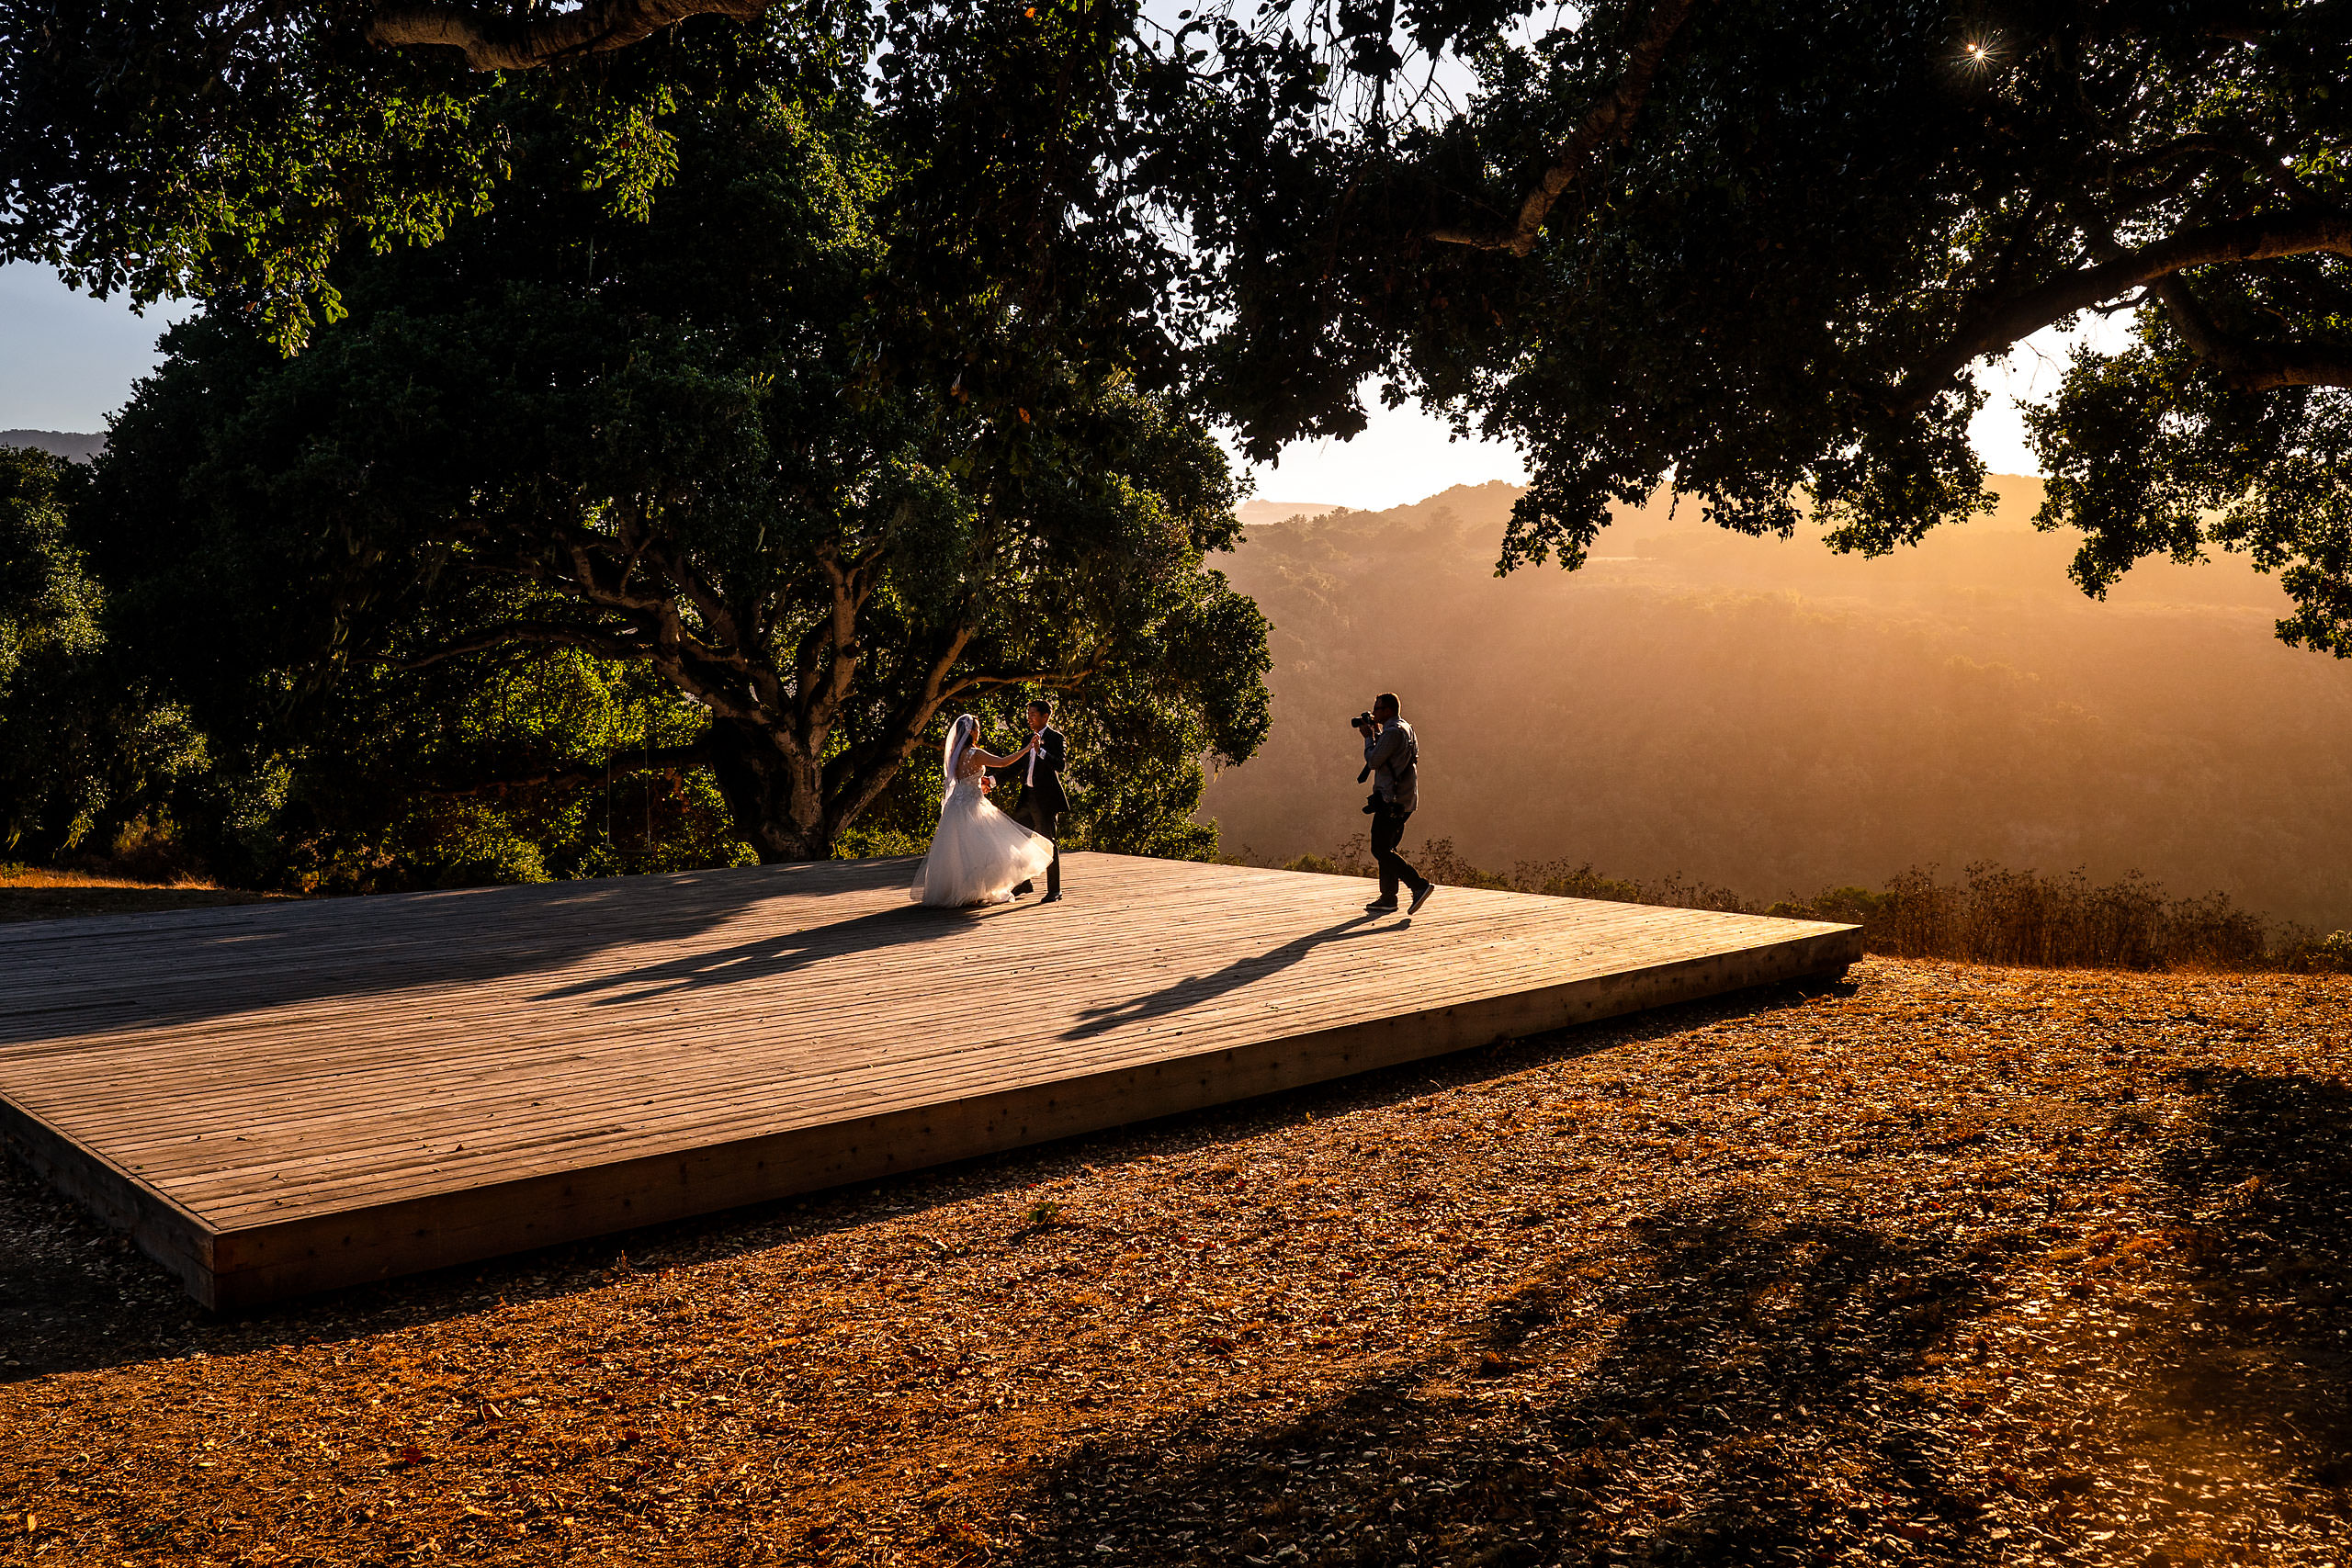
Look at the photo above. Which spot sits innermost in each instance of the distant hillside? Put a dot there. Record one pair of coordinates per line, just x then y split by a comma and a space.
1769, 715
1253, 512
81, 448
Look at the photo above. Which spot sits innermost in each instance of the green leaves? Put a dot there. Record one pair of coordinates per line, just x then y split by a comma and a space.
200, 149
743, 484
86, 745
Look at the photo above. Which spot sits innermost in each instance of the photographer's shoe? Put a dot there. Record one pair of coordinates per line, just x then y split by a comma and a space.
1382, 906
1420, 898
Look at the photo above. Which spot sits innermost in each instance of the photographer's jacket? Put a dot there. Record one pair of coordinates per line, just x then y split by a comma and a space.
1393, 756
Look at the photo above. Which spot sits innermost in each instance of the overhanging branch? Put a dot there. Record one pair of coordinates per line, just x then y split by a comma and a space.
602, 642
564, 775
499, 41
2249, 364
1607, 121
2060, 298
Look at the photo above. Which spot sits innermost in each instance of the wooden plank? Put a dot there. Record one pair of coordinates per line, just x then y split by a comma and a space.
278, 1026
313, 1150
366, 1086
395, 1025
173, 1235
262, 1264
284, 1097
322, 1154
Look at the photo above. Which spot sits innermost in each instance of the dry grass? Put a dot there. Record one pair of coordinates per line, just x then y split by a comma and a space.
41, 893
1947, 1265
1992, 915
14, 876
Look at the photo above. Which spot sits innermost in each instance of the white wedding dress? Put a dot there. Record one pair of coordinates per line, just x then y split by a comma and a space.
978, 855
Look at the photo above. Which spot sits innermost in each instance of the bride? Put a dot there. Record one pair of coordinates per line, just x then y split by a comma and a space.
978, 855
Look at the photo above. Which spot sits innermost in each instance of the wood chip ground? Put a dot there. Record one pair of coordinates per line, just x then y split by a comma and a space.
1941, 1265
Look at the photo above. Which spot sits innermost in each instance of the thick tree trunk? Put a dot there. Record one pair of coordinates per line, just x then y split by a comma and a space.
775, 801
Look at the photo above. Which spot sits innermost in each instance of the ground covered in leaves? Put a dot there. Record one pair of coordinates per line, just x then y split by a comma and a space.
1943, 1264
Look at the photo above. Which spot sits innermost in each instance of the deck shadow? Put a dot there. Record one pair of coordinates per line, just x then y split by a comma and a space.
79, 902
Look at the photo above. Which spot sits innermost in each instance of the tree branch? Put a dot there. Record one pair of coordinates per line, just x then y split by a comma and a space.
723, 678
594, 641
2060, 299
499, 41
653, 759
844, 796
1607, 121
2248, 363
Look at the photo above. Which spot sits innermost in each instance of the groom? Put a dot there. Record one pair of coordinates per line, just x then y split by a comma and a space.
1042, 803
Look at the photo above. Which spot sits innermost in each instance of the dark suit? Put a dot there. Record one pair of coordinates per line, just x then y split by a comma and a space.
1043, 801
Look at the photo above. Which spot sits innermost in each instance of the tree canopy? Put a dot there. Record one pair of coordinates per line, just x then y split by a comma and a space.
811, 483
1756, 253
1753, 253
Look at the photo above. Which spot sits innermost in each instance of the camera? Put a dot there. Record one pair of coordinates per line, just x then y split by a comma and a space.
1361, 721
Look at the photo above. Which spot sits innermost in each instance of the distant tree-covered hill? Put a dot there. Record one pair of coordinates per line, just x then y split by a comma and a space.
74, 444
1769, 715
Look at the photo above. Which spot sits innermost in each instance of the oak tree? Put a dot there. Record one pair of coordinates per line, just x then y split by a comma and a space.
826, 491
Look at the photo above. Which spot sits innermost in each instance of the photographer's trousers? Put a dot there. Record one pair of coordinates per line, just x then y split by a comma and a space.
1387, 831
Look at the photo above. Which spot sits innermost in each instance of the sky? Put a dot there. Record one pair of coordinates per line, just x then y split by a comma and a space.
1405, 454
67, 361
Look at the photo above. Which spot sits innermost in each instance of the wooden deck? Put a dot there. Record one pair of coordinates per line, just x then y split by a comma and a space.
283, 1098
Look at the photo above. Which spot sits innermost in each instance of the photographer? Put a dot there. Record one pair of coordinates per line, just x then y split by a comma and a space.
1392, 758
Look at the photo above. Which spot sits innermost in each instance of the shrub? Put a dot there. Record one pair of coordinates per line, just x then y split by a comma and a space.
1993, 916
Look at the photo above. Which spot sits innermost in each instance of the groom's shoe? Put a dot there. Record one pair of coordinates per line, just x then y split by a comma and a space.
1420, 898
1051, 899
1382, 906
1024, 887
